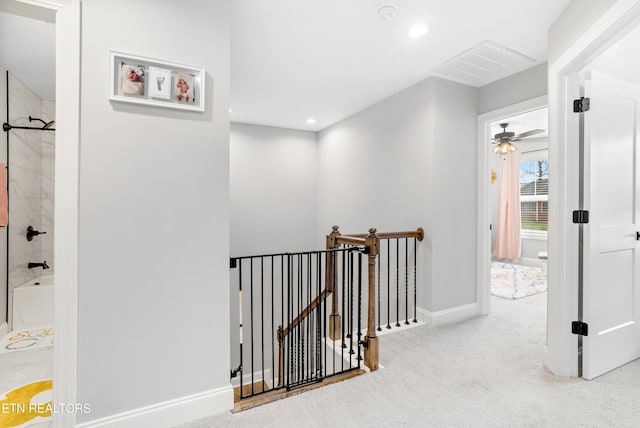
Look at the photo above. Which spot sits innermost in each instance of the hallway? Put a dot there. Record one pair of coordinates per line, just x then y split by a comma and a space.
486, 372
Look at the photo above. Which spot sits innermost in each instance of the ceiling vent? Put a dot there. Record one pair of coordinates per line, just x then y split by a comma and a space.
483, 64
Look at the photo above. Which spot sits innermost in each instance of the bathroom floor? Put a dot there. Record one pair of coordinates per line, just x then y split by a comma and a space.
25, 385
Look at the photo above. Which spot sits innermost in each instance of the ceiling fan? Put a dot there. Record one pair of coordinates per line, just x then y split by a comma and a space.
505, 139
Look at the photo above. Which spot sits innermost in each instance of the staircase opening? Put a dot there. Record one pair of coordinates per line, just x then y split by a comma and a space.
309, 318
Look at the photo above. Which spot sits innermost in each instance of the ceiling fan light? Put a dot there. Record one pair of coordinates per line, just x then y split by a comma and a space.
504, 148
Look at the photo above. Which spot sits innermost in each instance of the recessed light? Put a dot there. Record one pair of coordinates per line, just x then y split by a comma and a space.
387, 12
230, 110
418, 31
311, 121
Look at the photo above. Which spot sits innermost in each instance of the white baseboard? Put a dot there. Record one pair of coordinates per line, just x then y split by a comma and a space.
170, 413
448, 316
257, 377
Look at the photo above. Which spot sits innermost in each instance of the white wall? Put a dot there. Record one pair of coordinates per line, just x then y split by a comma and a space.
526, 85
454, 186
405, 162
574, 21
273, 190
154, 216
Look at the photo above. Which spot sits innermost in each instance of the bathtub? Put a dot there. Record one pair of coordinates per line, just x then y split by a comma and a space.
33, 303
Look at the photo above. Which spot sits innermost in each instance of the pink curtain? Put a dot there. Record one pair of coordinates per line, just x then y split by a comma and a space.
508, 228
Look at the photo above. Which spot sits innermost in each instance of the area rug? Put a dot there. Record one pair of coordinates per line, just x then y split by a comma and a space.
27, 338
513, 281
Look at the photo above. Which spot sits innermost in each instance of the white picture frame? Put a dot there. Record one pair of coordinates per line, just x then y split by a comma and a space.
141, 80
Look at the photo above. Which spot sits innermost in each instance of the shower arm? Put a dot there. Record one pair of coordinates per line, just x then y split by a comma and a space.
7, 127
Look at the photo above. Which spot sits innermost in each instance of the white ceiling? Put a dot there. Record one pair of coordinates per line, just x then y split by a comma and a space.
329, 59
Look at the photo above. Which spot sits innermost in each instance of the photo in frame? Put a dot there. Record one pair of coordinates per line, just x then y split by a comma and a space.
141, 80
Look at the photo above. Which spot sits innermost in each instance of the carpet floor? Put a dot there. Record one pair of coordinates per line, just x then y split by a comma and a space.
485, 372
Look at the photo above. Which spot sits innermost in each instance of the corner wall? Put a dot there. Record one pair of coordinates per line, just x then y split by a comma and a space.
273, 190
153, 304
525, 85
405, 162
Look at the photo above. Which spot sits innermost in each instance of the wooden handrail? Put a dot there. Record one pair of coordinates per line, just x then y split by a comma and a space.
305, 312
282, 333
418, 234
351, 240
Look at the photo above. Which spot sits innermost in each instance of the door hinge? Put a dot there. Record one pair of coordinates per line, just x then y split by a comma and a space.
580, 328
233, 263
581, 216
581, 105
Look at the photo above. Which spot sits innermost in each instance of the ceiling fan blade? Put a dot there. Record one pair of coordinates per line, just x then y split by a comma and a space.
535, 140
529, 133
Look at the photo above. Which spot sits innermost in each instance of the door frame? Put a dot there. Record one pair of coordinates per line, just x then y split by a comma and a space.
484, 208
67, 180
561, 350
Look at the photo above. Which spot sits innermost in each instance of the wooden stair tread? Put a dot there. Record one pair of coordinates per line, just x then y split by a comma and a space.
271, 396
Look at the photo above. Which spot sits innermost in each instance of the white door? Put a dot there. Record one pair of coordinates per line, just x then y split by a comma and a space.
611, 286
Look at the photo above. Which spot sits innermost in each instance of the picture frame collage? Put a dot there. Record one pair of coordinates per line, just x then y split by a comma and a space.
141, 80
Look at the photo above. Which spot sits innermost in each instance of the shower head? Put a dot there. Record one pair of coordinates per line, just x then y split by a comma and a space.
47, 125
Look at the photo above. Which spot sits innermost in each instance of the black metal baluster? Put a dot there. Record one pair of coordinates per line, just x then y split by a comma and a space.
309, 322
349, 267
300, 330
344, 312
281, 348
251, 296
324, 318
415, 280
397, 282
289, 358
262, 315
388, 283
273, 336
351, 351
318, 367
241, 326
360, 307
406, 281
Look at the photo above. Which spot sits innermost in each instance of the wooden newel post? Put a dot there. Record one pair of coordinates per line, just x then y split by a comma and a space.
371, 351
335, 322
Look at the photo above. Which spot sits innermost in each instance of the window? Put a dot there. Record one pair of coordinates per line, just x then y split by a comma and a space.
534, 192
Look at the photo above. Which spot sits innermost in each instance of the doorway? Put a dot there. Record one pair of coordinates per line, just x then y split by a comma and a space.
521, 270
562, 355
518, 200
28, 201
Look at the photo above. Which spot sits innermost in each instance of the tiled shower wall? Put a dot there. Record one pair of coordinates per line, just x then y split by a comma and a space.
31, 184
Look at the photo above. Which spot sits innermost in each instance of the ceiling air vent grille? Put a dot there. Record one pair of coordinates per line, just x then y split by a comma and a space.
483, 64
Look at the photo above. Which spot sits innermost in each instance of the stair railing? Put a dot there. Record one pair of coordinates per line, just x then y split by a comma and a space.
371, 242
303, 339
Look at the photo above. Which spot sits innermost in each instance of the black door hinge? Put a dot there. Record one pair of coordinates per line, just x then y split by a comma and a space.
233, 263
581, 105
580, 328
581, 216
